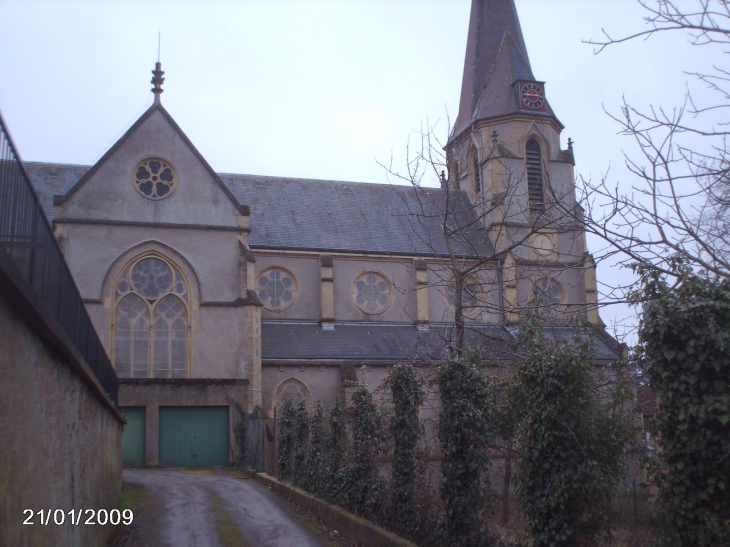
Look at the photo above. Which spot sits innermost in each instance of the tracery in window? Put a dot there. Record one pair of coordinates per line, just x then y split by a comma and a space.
471, 295
277, 288
151, 333
549, 294
535, 190
155, 178
292, 388
372, 293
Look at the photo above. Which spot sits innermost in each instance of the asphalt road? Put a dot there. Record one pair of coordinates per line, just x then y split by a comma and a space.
187, 509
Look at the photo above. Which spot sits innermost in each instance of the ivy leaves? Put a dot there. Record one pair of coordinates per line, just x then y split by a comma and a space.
466, 432
684, 348
286, 439
572, 437
407, 388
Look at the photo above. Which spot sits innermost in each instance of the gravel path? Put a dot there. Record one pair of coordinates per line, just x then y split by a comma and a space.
187, 509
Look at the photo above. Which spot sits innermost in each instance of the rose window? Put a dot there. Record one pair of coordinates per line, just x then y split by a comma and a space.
151, 277
371, 293
277, 288
155, 178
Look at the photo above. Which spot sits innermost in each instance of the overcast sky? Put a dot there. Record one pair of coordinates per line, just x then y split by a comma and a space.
313, 89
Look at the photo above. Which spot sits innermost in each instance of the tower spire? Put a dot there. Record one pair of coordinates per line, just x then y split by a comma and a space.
496, 57
157, 81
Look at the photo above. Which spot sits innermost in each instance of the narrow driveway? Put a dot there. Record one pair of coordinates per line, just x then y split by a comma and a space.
188, 509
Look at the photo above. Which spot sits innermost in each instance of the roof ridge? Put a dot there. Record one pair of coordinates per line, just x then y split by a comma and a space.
329, 181
51, 163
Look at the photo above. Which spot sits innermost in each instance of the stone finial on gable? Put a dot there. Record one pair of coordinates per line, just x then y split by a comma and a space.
157, 81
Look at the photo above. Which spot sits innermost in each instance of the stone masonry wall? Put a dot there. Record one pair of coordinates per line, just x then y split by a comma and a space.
60, 444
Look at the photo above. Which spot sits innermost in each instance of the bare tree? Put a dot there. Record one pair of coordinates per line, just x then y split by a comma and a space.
482, 230
679, 201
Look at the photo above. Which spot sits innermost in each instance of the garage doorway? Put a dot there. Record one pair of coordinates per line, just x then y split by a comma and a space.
193, 436
133, 436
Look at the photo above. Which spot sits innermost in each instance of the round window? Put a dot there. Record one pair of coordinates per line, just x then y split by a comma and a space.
277, 288
155, 178
372, 293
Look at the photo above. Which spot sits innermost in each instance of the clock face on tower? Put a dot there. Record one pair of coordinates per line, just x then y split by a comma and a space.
532, 95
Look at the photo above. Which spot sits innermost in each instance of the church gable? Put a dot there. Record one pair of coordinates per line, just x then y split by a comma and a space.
153, 174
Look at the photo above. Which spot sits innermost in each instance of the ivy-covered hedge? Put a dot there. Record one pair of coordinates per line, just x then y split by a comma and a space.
684, 347
570, 435
406, 386
467, 425
361, 491
286, 439
572, 439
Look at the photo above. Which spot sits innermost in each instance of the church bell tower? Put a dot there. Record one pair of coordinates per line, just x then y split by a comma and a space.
505, 153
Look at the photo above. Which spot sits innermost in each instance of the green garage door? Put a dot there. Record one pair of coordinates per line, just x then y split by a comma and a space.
193, 436
133, 436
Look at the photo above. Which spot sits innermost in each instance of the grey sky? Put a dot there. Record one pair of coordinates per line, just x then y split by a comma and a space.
312, 89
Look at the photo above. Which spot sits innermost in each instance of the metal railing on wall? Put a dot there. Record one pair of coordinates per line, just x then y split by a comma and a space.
27, 237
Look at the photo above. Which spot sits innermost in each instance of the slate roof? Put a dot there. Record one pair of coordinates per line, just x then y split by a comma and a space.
321, 215
605, 347
53, 179
495, 58
363, 341
344, 216
296, 341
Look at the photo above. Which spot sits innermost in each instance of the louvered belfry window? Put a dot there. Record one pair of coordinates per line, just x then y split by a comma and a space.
535, 189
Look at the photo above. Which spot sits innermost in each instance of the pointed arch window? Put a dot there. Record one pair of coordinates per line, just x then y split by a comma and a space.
151, 321
292, 388
477, 171
535, 189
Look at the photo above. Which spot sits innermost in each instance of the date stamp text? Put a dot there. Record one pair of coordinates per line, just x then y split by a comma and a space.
76, 517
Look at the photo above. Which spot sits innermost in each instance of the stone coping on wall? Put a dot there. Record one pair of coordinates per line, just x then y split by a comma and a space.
356, 528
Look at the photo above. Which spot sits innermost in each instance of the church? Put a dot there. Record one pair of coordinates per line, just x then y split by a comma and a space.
216, 292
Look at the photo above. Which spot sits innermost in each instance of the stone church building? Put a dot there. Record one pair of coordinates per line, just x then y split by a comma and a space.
211, 289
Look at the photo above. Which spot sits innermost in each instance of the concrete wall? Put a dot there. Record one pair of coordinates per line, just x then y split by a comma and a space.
60, 442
